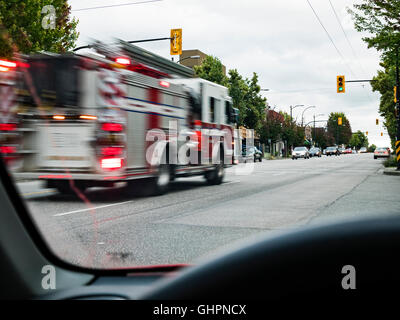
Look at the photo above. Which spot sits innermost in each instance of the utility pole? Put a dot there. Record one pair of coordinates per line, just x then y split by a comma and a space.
397, 109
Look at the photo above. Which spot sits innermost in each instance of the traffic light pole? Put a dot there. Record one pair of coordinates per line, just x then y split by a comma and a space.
397, 110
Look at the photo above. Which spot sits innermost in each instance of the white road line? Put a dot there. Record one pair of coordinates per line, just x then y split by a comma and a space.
230, 182
88, 209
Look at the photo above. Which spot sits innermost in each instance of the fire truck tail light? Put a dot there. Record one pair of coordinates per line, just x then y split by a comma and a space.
7, 149
8, 64
8, 126
164, 84
115, 127
111, 163
111, 151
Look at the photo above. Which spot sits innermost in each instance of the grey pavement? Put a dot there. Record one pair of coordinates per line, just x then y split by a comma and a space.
110, 229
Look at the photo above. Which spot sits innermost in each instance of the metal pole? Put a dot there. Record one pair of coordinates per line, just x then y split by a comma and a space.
398, 109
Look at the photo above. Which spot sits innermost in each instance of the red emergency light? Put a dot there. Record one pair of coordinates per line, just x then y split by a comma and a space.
111, 151
164, 84
8, 126
113, 127
123, 60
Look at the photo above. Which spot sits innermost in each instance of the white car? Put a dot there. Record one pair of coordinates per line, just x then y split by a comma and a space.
300, 152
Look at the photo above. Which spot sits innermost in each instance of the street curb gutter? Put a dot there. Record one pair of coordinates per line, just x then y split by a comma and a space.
391, 172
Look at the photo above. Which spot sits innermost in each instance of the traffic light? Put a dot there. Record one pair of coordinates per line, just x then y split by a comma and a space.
366, 133
377, 122
340, 81
340, 121
176, 42
395, 94
381, 134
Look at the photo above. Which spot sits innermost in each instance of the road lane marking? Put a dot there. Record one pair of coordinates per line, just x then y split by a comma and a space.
38, 192
94, 208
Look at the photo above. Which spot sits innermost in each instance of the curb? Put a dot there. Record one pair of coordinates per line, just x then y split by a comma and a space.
391, 172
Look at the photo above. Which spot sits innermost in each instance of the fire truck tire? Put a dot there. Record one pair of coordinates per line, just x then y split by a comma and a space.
216, 176
64, 187
158, 185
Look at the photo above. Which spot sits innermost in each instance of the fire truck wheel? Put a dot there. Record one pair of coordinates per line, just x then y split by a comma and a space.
216, 176
64, 187
158, 185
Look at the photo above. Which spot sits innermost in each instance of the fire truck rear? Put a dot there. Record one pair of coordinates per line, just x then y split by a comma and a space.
80, 121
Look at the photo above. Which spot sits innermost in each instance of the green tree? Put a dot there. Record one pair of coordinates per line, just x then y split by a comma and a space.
384, 82
358, 140
212, 70
342, 134
21, 27
238, 90
371, 148
255, 104
380, 20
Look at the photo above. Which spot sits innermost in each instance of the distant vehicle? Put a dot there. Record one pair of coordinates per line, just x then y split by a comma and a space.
332, 151
252, 153
324, 152
300, 152
348, 151
342, 150
381, 153
363, 150
315, 152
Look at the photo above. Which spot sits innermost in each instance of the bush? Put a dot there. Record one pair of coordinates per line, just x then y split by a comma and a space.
390, 162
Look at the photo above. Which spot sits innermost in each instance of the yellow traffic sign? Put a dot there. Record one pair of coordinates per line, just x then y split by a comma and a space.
377, 122
340, 121
176, 42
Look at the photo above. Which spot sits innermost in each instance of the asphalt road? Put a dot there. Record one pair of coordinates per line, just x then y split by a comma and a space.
110, 229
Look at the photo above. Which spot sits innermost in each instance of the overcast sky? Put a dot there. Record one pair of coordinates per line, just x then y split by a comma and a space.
280, 40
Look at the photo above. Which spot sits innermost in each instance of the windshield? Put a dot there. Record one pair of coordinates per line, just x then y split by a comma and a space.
183, 127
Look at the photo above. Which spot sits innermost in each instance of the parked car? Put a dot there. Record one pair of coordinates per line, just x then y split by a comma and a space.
252, 154
300, 152
381, 153
342, 150
324, 152
348, 151
332, 151
315, 152
363, 150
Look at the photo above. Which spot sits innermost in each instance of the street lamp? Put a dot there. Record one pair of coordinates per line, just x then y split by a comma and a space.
190, 57
302, 115
291, 108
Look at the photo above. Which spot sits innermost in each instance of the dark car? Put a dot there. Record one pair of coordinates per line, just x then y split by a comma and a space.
252, 153
332, 151
315, 152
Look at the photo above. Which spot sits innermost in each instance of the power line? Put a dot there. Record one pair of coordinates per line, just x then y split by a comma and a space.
330, 38
116, 5
347, 38
350, 45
